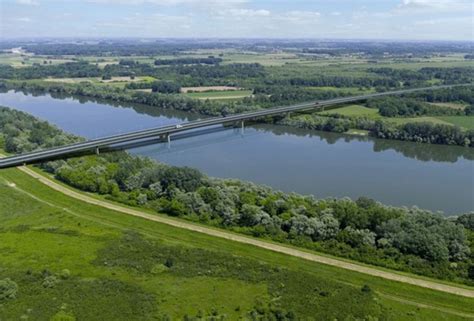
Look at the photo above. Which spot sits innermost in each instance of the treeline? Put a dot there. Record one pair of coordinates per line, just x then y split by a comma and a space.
22, 133
171, 47
421, 132
270, 96
406, 239
219, 74
165, 101
164, 87
454, 75
116, 48
405, 107
68, 69
188, 61
455, 94
333, 81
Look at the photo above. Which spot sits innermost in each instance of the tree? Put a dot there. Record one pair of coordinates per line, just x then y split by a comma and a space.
165, 87
466, 220
469, 110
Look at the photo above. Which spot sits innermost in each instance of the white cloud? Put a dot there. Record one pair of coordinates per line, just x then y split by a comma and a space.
244, 13
23, 19
240, 13
173, 2
296, 14
28, 2
436, 4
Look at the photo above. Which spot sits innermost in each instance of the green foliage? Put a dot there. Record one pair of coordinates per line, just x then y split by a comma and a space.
466, 220
63, 316
469, 110
411, 240
400, 107
99, 299
292, 293
22, 132
50, 281
188, 61
137, 293
8, 289
165, 87
424, 132
421, 132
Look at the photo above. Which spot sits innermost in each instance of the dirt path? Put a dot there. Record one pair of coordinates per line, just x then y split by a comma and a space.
247, 240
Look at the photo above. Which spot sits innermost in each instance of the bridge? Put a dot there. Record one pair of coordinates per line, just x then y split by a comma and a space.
165, 132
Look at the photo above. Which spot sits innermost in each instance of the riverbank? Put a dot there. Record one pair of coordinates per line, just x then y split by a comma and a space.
361, 230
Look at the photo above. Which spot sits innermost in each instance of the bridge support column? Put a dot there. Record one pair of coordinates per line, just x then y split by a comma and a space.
97, 152
242, 127
168, 136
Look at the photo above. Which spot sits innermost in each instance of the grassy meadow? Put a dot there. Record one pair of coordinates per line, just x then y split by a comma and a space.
76, 261
466, 122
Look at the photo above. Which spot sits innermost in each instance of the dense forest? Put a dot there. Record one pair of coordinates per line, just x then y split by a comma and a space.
188, 61
411, 240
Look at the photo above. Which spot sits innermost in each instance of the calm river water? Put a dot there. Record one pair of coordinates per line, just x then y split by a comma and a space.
439, 178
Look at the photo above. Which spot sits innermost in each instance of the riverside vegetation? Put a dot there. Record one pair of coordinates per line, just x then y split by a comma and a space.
412, 240
64, 259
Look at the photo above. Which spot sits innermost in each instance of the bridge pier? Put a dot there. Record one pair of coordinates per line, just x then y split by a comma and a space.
168, 136
242, 127
97, 152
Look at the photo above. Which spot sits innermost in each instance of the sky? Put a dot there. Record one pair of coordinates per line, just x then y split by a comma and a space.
313, 19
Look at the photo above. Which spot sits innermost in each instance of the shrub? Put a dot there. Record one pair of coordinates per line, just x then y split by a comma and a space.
50, 281
8, 289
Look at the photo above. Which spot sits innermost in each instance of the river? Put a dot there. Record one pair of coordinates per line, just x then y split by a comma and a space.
439, 178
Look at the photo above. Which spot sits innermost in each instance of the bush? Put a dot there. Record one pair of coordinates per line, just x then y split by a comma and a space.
8, 289
50, 281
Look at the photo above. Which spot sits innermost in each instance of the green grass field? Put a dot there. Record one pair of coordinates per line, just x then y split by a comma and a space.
220, 95
119, 82
466, 122
461, 121
353, 110
18, 61
74, 259
424, 119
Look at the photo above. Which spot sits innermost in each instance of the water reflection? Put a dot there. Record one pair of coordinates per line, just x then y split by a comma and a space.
418, 151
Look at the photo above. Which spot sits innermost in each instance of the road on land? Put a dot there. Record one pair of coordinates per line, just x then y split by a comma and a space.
259, 243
